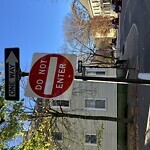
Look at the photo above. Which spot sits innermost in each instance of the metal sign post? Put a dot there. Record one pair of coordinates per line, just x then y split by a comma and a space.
114, 80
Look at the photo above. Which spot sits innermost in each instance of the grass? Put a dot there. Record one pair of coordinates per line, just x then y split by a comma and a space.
122, 113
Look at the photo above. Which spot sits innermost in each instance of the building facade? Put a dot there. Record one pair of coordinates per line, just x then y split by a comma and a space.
88, 99
99, 7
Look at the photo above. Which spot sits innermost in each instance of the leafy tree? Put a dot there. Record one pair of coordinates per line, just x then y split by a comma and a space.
38, 137
42, 124
76, 24
100, 24
79, 28
43, 121
10, 126
80, 25
90, 55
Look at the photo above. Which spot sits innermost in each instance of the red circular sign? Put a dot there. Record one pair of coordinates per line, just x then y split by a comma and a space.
51, 75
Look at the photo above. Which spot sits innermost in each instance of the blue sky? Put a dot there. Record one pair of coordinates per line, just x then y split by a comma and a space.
33, 26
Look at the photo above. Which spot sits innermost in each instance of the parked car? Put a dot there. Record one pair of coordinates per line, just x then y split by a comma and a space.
117, 9
117, 2
115, 22
120, 64
114, 40
116, 5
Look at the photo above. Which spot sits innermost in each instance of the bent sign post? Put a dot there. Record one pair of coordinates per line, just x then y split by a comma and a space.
12, 70
51, 75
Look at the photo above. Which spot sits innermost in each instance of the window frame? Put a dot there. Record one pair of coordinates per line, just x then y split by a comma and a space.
106, 1
93, 108
89, 143
57, 139
96, 73
59, 105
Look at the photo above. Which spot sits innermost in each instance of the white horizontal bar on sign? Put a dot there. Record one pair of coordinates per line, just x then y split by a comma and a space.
50, 76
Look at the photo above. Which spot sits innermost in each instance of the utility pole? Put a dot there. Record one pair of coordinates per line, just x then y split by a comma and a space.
114, 80
106, 79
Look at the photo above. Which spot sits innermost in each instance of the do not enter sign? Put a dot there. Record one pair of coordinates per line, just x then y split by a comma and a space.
51, 75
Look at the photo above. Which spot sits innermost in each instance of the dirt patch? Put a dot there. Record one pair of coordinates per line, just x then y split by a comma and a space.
132, 132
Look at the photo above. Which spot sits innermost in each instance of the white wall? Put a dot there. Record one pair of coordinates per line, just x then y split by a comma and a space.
92, 90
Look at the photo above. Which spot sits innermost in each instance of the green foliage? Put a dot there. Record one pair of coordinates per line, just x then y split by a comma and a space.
100, 136
12, 116
39, 138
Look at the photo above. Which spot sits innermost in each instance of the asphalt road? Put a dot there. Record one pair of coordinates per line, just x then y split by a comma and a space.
135, 37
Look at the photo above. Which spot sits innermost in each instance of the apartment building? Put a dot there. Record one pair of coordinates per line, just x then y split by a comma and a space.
88, 99
101, 8
98, 7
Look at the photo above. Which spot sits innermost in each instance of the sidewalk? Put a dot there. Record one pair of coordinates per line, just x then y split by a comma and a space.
131, 55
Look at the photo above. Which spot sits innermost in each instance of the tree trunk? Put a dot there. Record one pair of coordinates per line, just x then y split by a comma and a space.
59, 114
106, 118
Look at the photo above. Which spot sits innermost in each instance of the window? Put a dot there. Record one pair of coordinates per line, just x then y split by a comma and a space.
97, 73
96, 13
39, 106
100, 73
95, 103
57, 136
106, 7
96, 9
106, 1
91, 139
107, 13
58, 103
94, 1
95, 6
